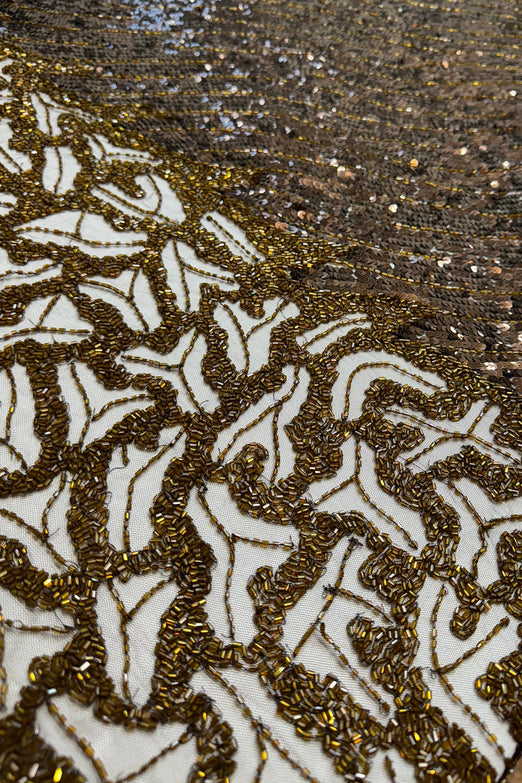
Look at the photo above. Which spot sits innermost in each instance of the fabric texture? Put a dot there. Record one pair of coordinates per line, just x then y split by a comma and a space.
257, 521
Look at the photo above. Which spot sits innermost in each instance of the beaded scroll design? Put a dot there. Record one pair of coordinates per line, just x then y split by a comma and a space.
246, 531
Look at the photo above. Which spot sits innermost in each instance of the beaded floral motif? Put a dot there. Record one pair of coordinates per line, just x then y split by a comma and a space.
188, 430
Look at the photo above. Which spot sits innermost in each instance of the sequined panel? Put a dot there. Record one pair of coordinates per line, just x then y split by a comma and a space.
391, 130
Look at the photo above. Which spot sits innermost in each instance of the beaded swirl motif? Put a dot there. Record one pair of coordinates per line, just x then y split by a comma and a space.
229, 499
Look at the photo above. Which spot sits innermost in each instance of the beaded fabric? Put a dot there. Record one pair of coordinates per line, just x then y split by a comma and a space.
249, 529
388, 128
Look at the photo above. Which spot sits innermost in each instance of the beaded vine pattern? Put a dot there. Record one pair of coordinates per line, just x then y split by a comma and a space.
153, 323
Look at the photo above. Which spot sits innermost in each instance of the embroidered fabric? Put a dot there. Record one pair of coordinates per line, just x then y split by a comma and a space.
247, 531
